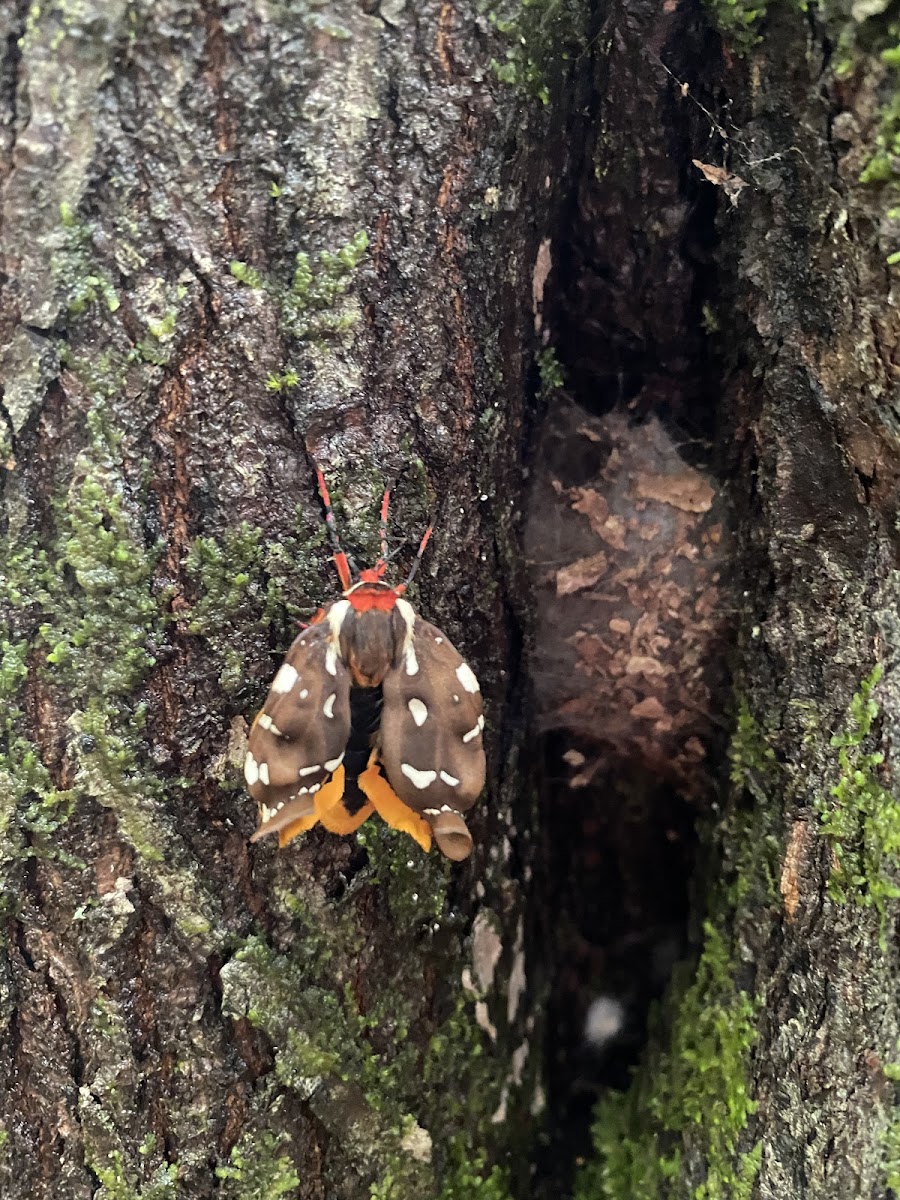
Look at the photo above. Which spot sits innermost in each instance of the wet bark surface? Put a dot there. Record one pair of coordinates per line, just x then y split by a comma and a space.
421, 245
235, 238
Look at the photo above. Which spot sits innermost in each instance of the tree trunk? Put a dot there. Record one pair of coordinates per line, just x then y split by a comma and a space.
769, 1068
236, 237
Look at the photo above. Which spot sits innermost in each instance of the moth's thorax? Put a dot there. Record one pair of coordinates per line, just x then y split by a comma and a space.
371, 593
370, 640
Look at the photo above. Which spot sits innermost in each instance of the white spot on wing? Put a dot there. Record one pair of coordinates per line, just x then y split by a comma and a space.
264, 774
285, 679
328, 706
266, 813
473, 733
419, 779
335, 619
419, 711
304, 694
438, 641
407, 612
448, 779
334, 763
466, 677
251, 770
308, 770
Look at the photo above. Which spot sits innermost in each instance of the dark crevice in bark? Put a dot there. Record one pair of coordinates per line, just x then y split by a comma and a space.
628, 302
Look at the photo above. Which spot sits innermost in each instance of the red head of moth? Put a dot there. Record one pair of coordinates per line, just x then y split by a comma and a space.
372, 710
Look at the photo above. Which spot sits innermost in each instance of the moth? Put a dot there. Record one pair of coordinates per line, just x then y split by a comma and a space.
372, 710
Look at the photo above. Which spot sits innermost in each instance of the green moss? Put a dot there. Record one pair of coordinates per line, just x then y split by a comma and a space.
103, 558
414, 883
26, 787
891, 1147
245, 274
550, 372
94, 590
162, 330
102, 376
75, 265
882, 167
687, 1111
226, 575
314, 305
30, 803
245, 580
467, 1177
311, 308
690, 1100
862, 821
110, 769
747, 838
307, 1024
90, 289
117, 1183
280, 383
751, 758
373, 1065
738, 22
256, 1169
540, 34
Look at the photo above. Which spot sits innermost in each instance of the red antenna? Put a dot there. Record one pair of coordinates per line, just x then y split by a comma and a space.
421, 550
341, 561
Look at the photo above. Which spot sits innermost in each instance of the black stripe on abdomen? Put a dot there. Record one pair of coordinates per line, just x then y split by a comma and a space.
365, 718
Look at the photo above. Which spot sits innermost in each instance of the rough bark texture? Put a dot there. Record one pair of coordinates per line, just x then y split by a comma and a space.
769, 1072
237, 235
233, 234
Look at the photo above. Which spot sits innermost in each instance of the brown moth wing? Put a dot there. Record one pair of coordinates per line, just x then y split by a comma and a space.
431, 725
298, 738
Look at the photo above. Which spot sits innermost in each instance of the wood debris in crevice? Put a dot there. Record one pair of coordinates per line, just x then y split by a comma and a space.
627, 544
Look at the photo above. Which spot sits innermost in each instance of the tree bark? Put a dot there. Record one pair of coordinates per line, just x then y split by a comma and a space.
234, 237
238, 237
770, 1068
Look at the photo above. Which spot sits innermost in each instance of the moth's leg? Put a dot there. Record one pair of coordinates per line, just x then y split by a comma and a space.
330, 810
338, 820
391, 808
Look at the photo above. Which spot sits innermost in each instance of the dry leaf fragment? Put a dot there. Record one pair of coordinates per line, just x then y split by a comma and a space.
792, 868
640, 664
593, 505
620, 625
583, 573
731, 185
686, 490
650, 708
